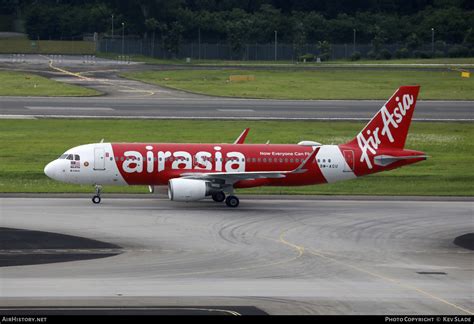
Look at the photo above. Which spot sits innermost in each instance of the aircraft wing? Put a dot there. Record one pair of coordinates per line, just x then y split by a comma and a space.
232, 177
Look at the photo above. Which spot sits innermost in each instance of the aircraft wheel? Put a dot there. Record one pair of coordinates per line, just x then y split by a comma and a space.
218, 196
232, 201
96, 199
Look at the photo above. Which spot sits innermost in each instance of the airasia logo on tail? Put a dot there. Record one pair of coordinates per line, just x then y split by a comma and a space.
390, 121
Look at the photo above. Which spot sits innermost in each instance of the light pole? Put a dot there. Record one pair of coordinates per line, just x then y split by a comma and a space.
112, 26
276, 44
354, 44
123, 37
199, 43
432, 40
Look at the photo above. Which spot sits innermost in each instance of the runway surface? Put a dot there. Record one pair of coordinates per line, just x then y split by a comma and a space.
221, 108
133, 99
282, 256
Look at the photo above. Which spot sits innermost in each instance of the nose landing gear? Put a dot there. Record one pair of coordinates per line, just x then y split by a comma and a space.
96, 199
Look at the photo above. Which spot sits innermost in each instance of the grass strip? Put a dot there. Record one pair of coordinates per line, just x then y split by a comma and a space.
28, 145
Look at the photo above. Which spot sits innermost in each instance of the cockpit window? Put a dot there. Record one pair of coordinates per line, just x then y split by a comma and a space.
76, 157
62, 157
70, 157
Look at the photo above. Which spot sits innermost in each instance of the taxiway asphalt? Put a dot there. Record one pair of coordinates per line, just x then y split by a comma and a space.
289, 256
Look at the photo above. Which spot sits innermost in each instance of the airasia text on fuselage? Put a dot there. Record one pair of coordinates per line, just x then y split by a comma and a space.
202, 160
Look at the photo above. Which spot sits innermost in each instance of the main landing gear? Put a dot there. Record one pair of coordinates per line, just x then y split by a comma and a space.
96, 199
218, 196
230, 201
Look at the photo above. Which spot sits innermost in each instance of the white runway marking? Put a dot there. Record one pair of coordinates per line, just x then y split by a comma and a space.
236, 110
68, 108
17, 117
4, 116
133, 90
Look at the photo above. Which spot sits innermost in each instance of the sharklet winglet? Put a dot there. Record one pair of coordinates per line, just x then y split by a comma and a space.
304, 166
242, 136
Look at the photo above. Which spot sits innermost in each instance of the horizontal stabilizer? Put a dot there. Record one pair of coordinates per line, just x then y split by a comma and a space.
384, 160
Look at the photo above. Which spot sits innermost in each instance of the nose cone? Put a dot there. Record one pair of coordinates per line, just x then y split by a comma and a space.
51, 170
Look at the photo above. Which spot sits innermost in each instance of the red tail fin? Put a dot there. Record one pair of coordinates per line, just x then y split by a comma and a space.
389, 127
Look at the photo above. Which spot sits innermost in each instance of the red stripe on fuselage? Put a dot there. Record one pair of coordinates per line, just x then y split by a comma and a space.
144, 166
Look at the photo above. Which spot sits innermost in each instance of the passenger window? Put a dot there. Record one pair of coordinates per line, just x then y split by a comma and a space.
265, 160
121, 158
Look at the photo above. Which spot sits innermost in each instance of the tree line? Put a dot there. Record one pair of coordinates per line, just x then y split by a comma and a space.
238, 22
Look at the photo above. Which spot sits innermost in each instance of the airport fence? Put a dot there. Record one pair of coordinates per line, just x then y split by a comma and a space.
91, 44
266, 52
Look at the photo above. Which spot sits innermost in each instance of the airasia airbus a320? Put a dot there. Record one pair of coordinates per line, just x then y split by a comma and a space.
196, 171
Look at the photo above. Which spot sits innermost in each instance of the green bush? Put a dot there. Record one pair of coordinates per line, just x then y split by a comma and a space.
308, 57
6, 22
440, 45
324, 48
458, 51
384, 55
422, 54
355, 56
372, 55
402, 53
438, 54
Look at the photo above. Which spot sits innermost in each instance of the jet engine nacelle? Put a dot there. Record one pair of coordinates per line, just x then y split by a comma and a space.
187, 189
